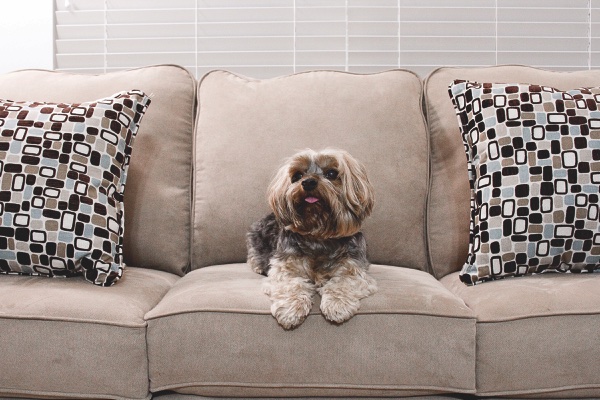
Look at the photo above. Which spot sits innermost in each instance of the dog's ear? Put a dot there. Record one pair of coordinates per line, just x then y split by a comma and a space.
357, 187
277, 195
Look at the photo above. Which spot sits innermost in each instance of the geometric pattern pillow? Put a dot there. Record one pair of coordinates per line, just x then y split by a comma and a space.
533, 156
63, 169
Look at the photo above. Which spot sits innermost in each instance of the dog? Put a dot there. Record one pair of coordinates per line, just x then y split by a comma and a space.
311, 242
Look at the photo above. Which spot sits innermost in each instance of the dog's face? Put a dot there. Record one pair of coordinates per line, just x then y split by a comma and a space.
322, 194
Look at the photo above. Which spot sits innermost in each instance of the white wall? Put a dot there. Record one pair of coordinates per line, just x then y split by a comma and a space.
26, 28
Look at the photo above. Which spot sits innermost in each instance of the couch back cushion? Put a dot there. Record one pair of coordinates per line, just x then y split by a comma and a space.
158, 192
246, 128
449, 197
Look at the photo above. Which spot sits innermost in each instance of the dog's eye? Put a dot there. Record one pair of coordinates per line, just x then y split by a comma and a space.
331, 174
297, 176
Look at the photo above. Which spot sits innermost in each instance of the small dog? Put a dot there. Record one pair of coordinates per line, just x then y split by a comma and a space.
312, 241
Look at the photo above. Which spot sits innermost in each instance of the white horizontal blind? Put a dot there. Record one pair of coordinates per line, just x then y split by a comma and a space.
556, 32
265, 38
320, 35
438, 32
255, 38
373, 35
104, 35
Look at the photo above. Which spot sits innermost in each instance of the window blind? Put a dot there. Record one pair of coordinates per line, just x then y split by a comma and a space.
266, 38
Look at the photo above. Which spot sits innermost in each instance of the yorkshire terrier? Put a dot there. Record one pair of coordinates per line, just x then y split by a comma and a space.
312, 241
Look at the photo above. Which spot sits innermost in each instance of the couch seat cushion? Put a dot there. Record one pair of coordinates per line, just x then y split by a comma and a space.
157, 198
73, 339
536, 335
213, 335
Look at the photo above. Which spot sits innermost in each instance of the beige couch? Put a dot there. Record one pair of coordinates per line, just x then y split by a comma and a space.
189, 317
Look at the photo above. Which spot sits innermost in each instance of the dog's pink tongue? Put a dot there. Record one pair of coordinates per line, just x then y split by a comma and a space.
311, 200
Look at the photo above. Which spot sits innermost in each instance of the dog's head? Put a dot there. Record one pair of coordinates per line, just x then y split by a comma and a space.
323, 194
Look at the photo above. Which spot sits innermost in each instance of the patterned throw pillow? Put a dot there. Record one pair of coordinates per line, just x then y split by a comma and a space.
63, 169
533, 156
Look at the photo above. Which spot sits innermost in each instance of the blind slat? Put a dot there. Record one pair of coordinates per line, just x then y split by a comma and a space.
265, 38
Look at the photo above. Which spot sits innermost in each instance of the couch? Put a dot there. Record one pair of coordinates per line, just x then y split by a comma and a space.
188, 319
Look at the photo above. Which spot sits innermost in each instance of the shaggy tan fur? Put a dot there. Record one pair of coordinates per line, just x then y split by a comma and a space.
312, 242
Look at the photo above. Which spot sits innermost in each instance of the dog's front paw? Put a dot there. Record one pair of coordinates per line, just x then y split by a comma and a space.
338, 309
291, 313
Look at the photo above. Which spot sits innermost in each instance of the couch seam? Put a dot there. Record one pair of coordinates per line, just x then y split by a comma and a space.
60, 72
557, 314
310, 385
543, 390
267, 313
249, 79
147, 344
55, 395
74, 320
427, 113
426, 242
192, 177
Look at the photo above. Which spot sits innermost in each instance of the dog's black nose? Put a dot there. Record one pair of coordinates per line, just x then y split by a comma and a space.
309, 184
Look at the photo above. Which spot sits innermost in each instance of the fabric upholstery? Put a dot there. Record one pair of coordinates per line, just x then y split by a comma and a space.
64, 170
66, 338
246, 128
179, 396
412, 338
448, 203
158, 195
536, 335
534, 169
